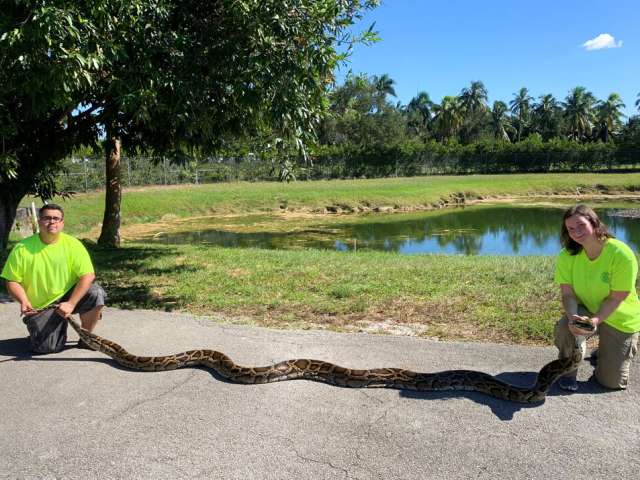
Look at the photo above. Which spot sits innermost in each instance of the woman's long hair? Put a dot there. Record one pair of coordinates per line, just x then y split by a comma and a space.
600, 229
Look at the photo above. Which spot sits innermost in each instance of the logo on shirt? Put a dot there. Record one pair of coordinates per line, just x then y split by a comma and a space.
605, 277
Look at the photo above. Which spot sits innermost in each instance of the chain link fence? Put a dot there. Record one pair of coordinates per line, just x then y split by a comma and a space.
88, 173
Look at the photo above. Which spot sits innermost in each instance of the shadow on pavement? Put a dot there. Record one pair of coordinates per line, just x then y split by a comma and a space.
504, 409
17, 349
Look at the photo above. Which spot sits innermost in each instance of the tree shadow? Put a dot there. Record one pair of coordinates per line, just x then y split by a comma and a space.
114, 267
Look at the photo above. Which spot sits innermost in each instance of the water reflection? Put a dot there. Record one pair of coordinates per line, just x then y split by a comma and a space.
482, 230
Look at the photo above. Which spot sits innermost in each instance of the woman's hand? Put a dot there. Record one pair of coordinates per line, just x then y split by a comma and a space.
578, 325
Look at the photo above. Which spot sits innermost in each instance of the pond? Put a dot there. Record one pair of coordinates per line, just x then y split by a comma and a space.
475, 230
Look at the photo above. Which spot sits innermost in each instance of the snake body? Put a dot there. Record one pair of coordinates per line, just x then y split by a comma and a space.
321, 371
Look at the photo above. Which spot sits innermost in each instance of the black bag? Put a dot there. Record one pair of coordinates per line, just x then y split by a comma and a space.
47, 331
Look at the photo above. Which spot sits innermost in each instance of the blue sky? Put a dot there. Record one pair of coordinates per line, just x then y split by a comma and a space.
440, 46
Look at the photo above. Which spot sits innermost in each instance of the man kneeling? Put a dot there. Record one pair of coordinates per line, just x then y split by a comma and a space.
53, 268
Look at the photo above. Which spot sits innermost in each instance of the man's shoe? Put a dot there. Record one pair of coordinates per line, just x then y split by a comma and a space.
569, 384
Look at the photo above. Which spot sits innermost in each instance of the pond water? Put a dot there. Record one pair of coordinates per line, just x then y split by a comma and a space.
475, 230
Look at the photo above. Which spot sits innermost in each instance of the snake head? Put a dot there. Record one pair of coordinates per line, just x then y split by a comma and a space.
585, 323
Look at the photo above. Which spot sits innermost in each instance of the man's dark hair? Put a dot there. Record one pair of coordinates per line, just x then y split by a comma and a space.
51, 206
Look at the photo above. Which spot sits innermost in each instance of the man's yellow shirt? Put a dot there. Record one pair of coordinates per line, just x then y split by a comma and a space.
47, 271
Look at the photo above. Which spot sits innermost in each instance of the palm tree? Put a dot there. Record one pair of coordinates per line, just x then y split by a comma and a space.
546, 116
474, 98
422, 104
384, 86
448, 117
520, 106
499, 121
578, 110
608, 114
473, 101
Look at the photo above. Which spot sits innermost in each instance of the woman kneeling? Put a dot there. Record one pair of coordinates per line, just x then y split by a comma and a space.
597, 278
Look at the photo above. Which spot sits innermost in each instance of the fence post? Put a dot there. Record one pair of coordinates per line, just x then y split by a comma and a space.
85, 161
164, 163
129, 171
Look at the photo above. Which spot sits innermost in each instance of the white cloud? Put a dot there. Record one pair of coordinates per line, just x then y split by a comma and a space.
604, 40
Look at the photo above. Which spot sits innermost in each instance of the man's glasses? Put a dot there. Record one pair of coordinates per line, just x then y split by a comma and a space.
51, 219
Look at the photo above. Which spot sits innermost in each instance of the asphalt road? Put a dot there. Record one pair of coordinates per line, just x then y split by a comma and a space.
76, 414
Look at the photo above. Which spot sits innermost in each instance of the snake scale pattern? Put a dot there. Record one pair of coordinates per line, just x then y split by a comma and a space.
321, 371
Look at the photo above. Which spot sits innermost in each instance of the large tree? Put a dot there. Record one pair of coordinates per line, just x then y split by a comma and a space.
156, 74
49, 60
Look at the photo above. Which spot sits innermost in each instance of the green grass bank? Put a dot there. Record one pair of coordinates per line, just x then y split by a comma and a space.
142, 205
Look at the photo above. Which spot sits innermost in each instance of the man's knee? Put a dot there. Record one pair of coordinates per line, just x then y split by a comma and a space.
94, 298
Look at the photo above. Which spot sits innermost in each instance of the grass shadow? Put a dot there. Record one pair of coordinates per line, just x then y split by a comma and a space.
115, 268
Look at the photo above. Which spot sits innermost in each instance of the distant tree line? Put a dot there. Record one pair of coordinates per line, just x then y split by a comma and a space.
366, 134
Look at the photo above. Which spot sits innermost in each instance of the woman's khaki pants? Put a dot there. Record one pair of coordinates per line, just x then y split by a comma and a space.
615, 351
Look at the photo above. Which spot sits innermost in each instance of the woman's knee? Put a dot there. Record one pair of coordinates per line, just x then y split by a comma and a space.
612, 380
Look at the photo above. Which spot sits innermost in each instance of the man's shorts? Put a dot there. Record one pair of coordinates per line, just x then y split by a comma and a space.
48, 330
95, 297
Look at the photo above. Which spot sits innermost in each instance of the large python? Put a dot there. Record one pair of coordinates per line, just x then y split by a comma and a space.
320, 371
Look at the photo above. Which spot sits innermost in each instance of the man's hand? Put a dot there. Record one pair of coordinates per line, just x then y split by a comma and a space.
577, 330
27, 309
65, 309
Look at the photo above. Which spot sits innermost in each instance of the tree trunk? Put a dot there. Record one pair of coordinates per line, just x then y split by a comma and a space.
519, 126
8, 207
110, 235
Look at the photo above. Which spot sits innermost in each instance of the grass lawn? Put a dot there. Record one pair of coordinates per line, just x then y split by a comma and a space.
504, 299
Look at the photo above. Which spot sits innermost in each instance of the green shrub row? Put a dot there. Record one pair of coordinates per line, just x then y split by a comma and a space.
418, 158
